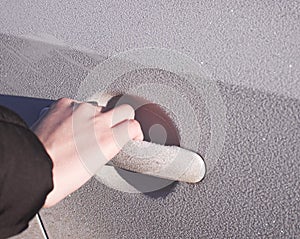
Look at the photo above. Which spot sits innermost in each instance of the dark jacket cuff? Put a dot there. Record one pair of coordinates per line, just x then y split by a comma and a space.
25, 174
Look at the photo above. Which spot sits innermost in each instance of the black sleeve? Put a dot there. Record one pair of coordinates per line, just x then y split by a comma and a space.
25, 174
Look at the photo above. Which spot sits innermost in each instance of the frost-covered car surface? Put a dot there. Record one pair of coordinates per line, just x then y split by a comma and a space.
249, 52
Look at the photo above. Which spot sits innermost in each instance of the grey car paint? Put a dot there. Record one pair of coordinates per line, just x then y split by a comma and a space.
249, 49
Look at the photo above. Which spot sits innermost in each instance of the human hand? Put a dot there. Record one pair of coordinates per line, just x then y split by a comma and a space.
80, 140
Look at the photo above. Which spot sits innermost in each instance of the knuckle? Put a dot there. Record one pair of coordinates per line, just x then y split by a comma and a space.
128, 108
86, 107
64, 101
135, 125
60, 103
83, 105
102, 139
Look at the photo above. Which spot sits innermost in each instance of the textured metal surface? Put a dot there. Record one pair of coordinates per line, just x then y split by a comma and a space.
252, 43
252, 51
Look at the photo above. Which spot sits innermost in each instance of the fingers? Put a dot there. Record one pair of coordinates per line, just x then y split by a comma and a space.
62, 102
62, 107
101, 98
66, 102
86, 110
125, 131
112, 142
118, 115
114, 128
79, 110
